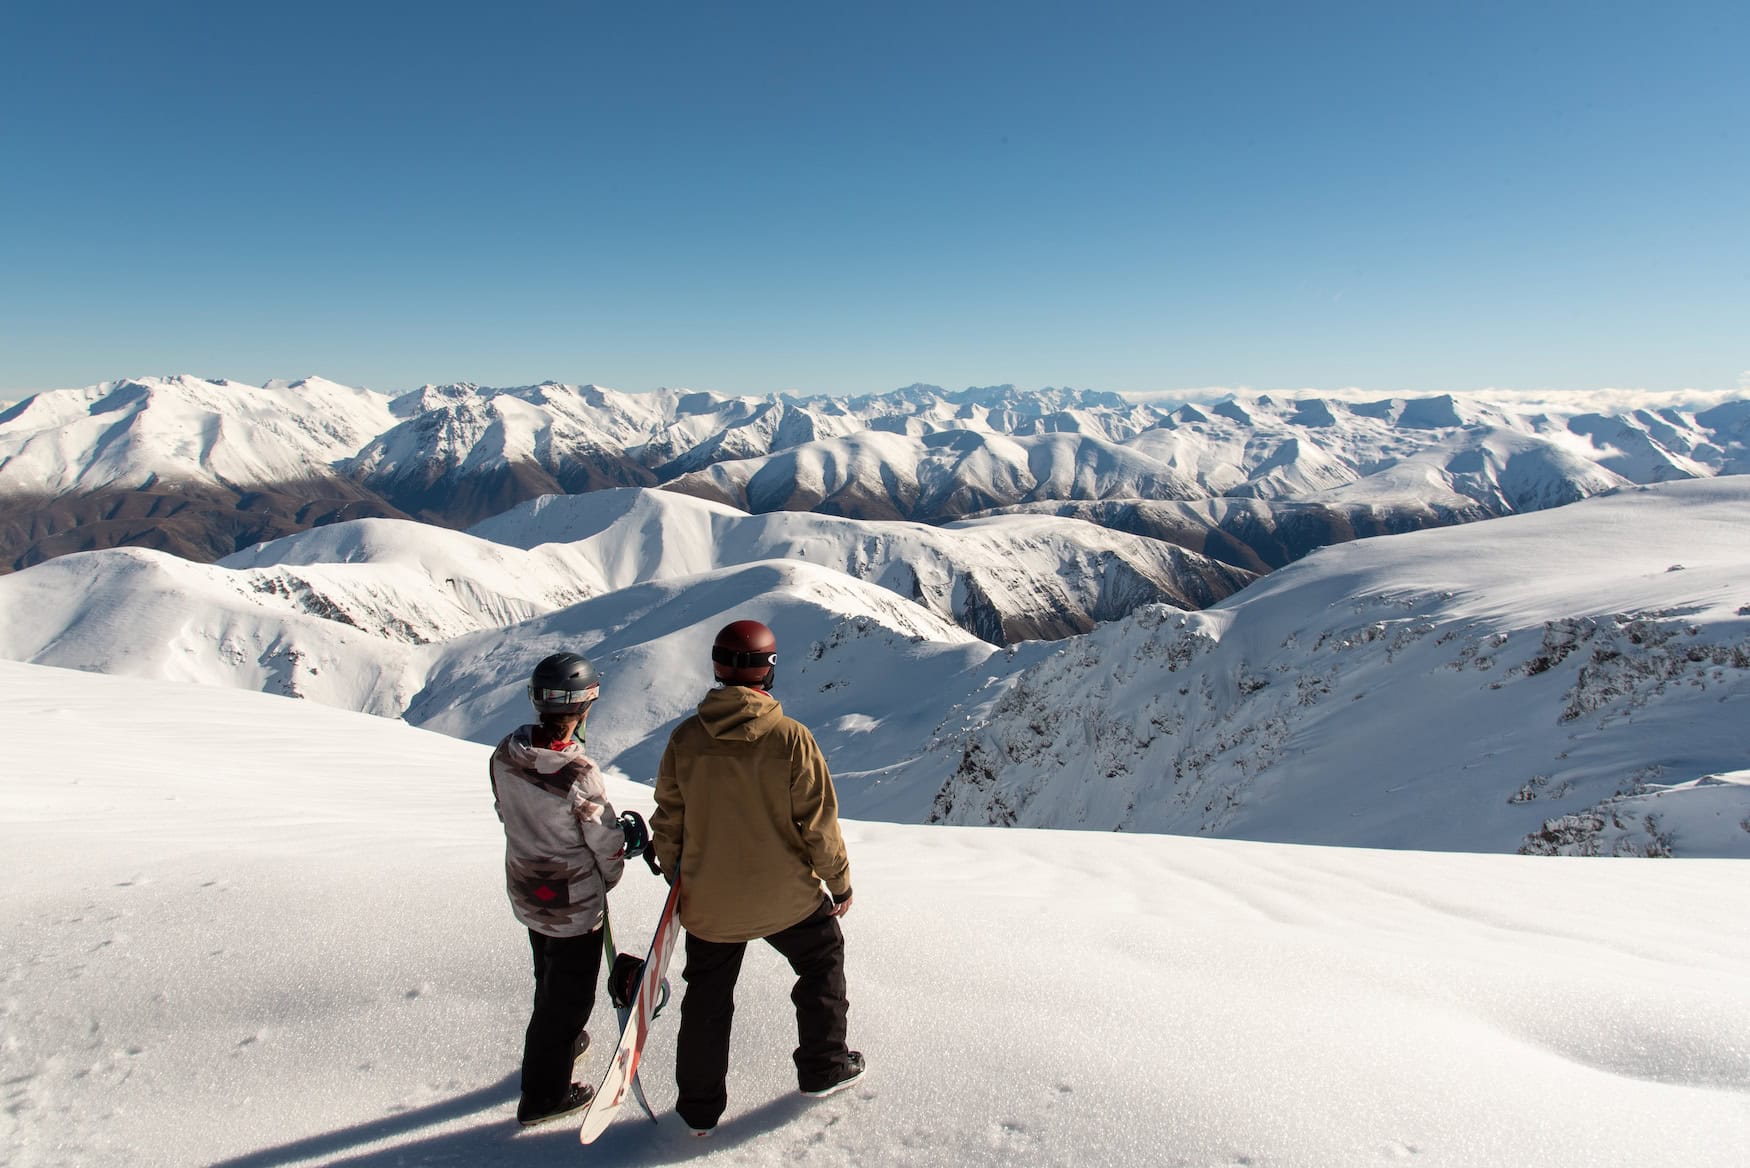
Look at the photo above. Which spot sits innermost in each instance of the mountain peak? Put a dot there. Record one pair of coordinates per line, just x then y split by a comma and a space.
459, 452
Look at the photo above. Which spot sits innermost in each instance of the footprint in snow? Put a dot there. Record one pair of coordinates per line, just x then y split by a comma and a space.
1012, 1135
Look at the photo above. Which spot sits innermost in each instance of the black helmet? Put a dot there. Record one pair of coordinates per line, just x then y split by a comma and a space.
745, 653
564, 684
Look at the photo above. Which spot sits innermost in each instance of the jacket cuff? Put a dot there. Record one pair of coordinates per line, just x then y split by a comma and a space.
841, 897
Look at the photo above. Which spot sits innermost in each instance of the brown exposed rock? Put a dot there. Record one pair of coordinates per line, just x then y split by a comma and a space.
202, 522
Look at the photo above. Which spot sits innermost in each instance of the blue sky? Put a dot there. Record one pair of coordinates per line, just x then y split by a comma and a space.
841, 197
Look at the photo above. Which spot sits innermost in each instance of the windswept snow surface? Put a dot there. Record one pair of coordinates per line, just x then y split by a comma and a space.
248, 932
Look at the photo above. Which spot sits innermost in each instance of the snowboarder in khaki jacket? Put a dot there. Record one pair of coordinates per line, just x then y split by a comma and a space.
746, 815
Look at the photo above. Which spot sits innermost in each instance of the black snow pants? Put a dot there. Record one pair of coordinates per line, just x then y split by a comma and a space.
566, 969
815, 949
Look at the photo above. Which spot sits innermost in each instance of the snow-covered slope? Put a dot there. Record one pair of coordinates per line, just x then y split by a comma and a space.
875, 475
1009, 579
873, 675
123, 434
429, 583
1258, 535
1572, 681
1004, 580
462, 454
1443, 452
1544, 682
180, 464
141, 613
242, 932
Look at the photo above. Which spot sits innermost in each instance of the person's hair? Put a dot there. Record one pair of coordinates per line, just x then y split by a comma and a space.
551, 728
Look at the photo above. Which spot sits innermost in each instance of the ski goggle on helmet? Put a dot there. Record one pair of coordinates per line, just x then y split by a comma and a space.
745, 653
564, 683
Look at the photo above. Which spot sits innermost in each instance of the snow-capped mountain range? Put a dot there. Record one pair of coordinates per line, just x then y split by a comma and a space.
1567, 681
205, 468
1570, 681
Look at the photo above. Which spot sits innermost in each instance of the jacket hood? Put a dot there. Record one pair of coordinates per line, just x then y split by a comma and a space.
739, 713
521, 750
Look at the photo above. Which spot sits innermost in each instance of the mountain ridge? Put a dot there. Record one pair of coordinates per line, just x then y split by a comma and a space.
298, 453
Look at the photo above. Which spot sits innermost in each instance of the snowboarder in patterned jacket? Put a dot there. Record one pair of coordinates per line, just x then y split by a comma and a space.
563, 851
747, 816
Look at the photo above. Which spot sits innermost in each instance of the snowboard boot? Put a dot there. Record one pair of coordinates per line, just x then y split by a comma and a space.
579, 1045
852, 1072
576, 1099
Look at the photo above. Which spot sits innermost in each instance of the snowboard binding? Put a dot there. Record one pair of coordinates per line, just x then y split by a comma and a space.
623, 981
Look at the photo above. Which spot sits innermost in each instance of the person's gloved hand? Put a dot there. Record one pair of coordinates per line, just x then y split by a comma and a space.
636, 832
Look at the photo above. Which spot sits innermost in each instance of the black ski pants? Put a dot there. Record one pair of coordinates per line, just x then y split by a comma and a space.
566, 969
815, 949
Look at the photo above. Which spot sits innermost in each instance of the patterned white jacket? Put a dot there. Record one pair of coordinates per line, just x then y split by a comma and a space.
563, 848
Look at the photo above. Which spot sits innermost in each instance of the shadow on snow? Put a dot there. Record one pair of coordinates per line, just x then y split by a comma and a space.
630, 1140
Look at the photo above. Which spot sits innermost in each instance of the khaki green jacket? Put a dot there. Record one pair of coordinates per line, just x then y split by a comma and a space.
745, 804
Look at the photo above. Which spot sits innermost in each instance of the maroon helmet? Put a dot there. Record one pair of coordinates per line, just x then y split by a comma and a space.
745, 653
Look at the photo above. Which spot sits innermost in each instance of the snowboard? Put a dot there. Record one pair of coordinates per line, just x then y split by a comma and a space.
621, 1077
612, 960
